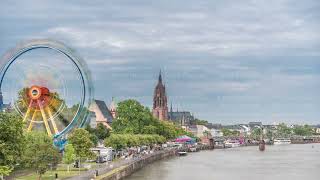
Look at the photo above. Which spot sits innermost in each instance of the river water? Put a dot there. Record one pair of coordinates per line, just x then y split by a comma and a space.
278, 162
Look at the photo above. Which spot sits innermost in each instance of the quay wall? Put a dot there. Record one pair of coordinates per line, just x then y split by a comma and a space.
127, 170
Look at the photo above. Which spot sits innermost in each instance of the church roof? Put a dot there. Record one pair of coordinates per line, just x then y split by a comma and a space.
104, 110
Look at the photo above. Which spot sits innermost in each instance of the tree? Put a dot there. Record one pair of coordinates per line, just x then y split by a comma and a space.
283, 130
199, 122
98, 134
69, 155
101, 132
305, 130
256, 133
228, 132
207, 134
132, 117
11, 142
5, 171
40, 153
81, 142
270, 134
120, 141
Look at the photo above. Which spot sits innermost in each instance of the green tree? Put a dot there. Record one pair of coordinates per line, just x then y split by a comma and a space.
40, 153
256, 133
5, 171
11, 142
69, 155
199, 122
101, 132
305, 130
270, 134
115, 141
283, 130
132, 117
150, 129
98, 134
120, 141
228, 132
207, 134
81, 142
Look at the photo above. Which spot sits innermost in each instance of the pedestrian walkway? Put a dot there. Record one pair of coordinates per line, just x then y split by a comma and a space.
107, 168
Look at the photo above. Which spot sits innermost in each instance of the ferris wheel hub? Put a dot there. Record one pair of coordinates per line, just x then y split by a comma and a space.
39, 96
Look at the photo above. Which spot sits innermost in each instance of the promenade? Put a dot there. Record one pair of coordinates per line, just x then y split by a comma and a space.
112, 169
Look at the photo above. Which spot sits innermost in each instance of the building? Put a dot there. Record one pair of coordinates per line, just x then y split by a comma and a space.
93, 119
113, 108
101, 114
253, 125
184, 118
199, 130
216, 132
4, 107
160, 106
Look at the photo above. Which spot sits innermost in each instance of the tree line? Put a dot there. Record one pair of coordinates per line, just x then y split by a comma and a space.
134, 126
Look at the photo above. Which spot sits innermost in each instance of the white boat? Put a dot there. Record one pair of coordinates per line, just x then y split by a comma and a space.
232, 144
182, 153
280, 141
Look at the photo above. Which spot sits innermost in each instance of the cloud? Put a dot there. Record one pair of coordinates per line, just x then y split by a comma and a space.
222, 54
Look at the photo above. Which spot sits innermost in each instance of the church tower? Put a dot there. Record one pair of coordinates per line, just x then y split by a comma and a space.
113, 108
160, 107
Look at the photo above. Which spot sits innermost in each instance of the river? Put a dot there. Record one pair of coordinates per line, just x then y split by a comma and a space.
278, 162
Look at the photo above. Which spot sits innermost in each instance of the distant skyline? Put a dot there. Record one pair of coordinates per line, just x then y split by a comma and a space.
225, 61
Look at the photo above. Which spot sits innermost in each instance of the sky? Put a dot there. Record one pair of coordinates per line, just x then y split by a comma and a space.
225, 61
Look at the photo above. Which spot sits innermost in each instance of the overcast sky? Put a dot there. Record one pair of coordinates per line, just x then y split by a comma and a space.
225, 61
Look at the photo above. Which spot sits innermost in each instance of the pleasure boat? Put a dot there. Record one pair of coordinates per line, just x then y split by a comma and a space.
232, 143
280, 141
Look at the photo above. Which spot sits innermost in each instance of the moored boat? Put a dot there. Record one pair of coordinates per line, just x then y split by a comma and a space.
182, 153
232, 144
280, 141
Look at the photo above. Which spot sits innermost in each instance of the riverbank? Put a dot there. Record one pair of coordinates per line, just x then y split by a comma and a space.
123, 168
126, 170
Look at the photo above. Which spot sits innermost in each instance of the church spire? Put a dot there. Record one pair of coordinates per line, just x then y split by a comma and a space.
160, 77
160, 108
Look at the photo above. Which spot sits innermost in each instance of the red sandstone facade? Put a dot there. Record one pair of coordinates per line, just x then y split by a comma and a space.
160, 107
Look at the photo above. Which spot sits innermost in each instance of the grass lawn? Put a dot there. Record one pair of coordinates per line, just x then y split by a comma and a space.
51, 174
61, 170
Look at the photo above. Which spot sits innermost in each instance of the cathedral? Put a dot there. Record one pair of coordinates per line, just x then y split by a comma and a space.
160, 106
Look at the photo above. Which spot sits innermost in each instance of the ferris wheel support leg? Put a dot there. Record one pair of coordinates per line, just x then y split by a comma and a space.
45, 120
31, 122
28, 112
52, 120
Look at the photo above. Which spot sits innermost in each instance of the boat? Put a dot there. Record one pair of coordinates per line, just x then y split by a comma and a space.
232, 144
193, 149
280, 141
182, 153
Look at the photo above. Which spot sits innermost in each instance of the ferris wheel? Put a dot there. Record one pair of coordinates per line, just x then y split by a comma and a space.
48, 85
